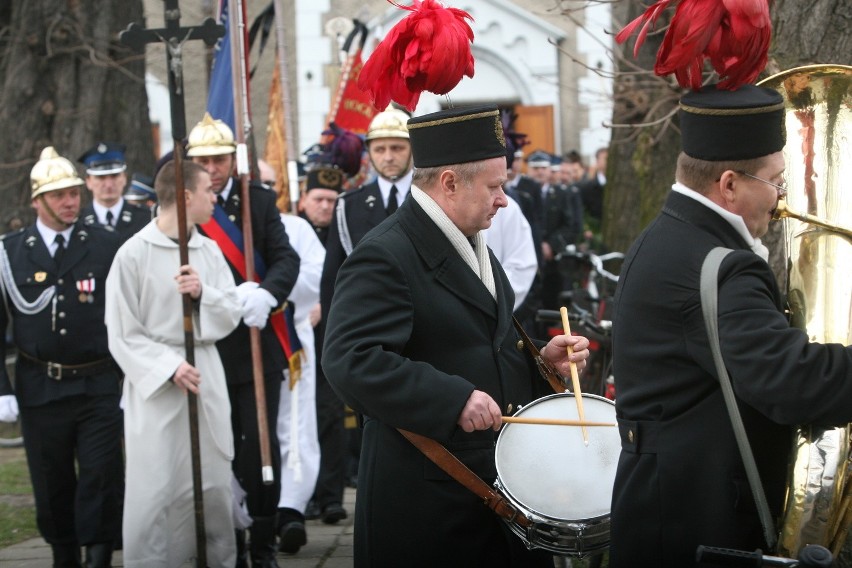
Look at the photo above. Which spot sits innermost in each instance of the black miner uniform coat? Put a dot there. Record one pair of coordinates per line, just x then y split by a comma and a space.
680, 482
130, 221
411, 333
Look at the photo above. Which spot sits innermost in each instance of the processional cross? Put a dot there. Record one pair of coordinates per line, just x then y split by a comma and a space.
175, 36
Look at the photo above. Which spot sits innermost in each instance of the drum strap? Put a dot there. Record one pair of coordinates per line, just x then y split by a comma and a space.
545, 369
442, 457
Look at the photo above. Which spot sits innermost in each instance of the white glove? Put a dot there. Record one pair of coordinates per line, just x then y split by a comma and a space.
244, 289
256, 307
8, 408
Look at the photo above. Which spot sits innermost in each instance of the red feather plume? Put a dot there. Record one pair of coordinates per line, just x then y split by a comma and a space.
732, 34
428, 50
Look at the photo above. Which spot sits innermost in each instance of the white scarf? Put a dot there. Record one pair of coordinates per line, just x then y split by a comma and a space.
477, 260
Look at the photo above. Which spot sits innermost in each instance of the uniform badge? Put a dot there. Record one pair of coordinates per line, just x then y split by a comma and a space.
370, 201
233, 218
89, 220
86, 287
40, 276
30, 241
126, 216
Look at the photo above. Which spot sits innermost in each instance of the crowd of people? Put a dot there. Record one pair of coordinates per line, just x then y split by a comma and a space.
395, 301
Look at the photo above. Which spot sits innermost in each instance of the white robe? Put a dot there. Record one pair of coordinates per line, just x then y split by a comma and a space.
146, 338
510, 237
297, 412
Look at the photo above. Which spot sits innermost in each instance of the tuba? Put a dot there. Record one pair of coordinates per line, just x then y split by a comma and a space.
817, 240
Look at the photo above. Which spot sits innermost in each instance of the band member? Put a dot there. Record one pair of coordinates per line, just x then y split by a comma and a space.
420, 337
149, 345
211, 145
680, 480
106, 178
67, 385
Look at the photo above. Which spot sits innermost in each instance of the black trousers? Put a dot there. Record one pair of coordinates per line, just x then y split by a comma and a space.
262, 500
333, 444
74, 454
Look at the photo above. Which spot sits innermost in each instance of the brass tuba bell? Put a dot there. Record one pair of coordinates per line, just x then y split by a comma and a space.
818, 245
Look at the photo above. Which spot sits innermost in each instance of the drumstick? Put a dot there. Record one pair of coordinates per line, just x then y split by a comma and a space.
575, 378
552, 422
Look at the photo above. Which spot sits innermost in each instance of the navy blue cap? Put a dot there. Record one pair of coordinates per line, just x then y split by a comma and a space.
718, 125
539, 159
104, 158
141, 188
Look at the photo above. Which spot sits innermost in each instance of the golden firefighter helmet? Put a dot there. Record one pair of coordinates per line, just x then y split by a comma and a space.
210, 138
52, 172
391, 123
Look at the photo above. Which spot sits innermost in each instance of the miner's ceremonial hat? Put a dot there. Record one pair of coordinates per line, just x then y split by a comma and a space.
718, 125
456, 136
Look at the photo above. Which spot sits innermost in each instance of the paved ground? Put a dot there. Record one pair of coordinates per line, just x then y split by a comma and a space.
329, 546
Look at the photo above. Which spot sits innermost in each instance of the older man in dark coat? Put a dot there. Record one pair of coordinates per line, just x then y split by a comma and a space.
681, 481
420, 337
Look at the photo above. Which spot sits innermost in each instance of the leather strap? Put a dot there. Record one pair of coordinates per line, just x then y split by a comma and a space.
545, 369
442, 457
709, 305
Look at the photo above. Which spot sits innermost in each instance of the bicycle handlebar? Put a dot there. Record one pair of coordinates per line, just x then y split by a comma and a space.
593, 259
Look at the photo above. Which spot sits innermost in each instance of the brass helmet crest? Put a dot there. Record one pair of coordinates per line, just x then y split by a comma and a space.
52, 172
210, 137
391, 123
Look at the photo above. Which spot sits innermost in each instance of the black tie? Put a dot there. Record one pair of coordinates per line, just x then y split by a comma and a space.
220, 200
109, 218
60, 249
392, 205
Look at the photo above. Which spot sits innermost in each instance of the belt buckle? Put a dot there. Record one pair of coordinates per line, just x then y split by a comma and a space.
54, 371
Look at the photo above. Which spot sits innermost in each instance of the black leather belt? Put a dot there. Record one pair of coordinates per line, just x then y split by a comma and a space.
58, 371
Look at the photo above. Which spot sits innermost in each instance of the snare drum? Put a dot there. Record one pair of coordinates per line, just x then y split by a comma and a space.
561, 485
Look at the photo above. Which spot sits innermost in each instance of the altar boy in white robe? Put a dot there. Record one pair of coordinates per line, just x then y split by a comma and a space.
146, 338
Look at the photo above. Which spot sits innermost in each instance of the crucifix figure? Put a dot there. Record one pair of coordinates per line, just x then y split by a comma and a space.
175, 36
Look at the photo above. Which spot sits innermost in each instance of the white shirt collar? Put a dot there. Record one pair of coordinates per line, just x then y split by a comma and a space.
48, 235
101, 211
226, 191
733, 219
403, 186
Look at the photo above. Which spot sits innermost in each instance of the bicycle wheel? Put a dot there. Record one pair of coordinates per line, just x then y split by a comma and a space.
10, 432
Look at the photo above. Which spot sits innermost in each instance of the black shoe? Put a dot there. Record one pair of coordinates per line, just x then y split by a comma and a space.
262, 542
292, 537
333, 513
99, 555
312, 511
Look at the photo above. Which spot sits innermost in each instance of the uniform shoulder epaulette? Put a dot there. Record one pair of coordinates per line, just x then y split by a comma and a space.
12, 234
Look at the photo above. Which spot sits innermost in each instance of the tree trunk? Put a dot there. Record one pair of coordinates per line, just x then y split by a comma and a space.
68, 83
640, 168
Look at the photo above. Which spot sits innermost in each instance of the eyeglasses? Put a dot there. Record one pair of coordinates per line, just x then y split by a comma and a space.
781, 189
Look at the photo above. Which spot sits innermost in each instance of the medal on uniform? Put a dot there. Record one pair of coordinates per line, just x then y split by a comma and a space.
86, 288
40, 276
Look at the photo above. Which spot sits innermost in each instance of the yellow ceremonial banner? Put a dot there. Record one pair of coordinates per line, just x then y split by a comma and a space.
276, 141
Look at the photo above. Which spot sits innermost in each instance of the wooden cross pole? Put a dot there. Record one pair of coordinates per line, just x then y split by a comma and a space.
175, 36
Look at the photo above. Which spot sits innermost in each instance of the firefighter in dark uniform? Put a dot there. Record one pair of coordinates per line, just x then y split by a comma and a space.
356, 213
211, 145
106, 179
67, 385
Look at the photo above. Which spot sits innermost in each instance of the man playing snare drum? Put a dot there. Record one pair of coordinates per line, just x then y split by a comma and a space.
420, 337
